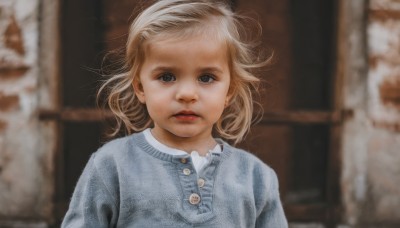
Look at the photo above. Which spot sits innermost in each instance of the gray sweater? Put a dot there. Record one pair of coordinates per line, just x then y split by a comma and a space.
128, 183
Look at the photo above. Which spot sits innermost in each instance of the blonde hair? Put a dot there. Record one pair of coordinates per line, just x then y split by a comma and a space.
180, 17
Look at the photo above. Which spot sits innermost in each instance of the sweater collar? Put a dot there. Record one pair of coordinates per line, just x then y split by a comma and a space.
169, 150
140, 140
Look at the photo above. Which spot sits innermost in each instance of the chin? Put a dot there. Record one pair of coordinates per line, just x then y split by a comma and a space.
185, 133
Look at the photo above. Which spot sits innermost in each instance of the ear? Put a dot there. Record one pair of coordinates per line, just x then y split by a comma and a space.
138, 89
228, 97
227, 100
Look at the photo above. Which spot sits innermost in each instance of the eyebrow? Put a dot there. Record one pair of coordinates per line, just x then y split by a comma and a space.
212, 69
162, 68
205, 69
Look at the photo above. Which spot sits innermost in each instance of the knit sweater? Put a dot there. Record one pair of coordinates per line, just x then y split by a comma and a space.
128, 183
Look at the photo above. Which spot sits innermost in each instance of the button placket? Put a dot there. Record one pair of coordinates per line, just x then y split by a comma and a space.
191, 185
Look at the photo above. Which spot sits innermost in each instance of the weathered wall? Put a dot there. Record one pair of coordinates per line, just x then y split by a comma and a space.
25, 155
383, 174
371, 138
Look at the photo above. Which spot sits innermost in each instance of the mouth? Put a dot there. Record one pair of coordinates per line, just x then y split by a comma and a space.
186, 115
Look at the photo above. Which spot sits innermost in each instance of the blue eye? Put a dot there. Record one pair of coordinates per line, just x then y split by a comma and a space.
206, 78
167, 77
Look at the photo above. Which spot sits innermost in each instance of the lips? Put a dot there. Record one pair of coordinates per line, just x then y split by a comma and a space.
186, 115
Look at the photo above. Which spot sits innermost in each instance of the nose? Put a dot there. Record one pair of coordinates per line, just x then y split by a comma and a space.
187, 92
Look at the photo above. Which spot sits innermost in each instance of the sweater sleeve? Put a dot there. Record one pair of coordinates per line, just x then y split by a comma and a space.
272, 214
91, 205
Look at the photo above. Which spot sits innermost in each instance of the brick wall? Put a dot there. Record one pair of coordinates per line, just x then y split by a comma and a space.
25, 166
383, 175
371, 138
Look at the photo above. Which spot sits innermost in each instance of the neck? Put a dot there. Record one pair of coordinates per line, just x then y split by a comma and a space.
187, 144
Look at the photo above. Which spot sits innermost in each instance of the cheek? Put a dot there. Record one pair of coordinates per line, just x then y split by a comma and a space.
217, 101
153, 93
157, 106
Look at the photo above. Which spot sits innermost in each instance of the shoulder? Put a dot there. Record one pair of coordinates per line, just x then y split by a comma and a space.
254, 167
260, 177
248, 159
116, 152
112, 158
117, 147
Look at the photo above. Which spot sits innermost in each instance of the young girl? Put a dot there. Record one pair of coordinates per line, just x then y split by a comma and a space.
187, 77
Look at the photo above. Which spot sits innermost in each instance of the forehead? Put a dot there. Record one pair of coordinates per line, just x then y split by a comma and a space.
212, 28
194, 45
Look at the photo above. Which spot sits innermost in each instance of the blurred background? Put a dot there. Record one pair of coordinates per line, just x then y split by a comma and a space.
331, 99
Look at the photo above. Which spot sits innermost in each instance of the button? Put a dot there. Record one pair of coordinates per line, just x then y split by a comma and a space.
183, 160
200, 182
194, 199
186, 171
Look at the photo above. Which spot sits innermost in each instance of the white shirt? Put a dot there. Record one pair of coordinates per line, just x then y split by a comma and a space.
198, 161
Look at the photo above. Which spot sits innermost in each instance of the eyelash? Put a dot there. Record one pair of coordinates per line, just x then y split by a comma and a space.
169, 77
163, 78
209, 76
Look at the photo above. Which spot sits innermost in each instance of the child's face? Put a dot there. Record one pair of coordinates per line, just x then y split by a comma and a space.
184, 84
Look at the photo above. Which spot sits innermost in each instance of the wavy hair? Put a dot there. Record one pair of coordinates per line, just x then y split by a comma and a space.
185, 17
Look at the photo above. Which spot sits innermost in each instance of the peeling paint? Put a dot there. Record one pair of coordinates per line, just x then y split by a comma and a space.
381, 169
394, 127
383, 30
385, 4
373, 61
384, 40
390, 92
26, 183
3, 126
12, 66
13, 37
384, 15
8, 102
13, 73
371, 140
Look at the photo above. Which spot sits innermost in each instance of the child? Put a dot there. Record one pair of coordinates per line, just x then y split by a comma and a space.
187, 76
